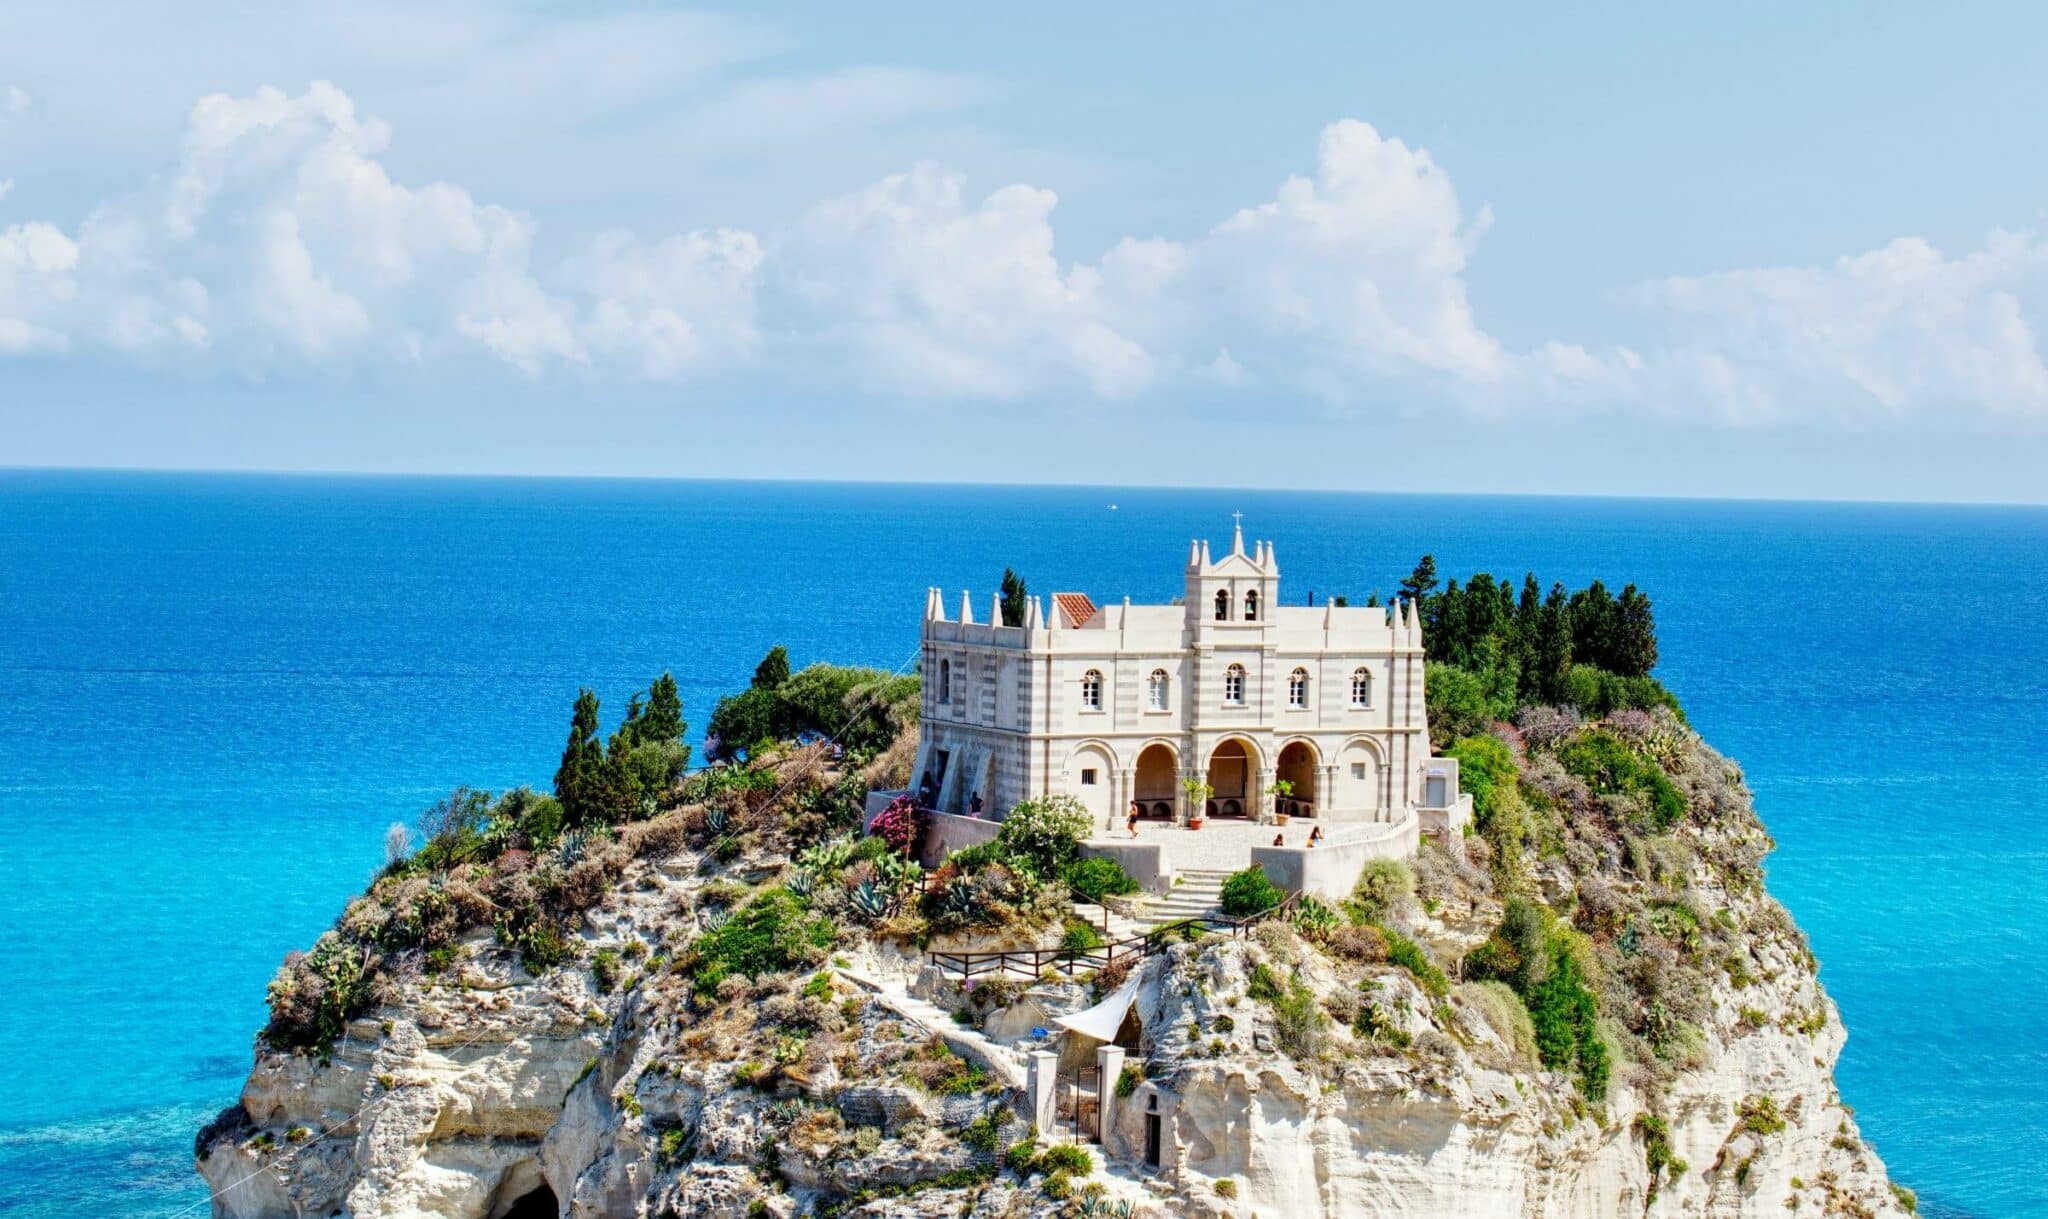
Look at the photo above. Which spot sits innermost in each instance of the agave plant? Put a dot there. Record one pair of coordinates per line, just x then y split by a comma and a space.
960, 901
1095, 1206
718, 819
572, 847
870, 901
802, 882
712, 920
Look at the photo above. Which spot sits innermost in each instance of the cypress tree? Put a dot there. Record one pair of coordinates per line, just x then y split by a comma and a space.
773, 669
579, 778
1530, 607
663, 720
1014, 593
1544, 679
1593, 626
1635, 635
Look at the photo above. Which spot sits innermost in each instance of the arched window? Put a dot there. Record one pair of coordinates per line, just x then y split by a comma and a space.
1233, 686
1251, 605
1361, 688
1091, 690
945, 682
1155, 690
1297, 688
1222, 605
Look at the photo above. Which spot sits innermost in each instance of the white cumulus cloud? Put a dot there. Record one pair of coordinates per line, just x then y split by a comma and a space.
1895, 331
279, 238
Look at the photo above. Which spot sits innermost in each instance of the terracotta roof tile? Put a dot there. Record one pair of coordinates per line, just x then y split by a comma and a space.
1075, 609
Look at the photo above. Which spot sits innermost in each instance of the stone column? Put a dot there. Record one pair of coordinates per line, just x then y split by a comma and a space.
1262, 797
1041, 1081
1126, 790
1109, 1065
1326, 794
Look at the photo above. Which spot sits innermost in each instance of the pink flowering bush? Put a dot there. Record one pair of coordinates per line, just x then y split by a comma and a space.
899, 824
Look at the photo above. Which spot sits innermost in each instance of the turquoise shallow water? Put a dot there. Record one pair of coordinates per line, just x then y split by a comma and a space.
216, 692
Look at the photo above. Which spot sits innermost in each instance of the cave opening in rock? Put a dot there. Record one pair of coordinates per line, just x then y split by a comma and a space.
539, 1204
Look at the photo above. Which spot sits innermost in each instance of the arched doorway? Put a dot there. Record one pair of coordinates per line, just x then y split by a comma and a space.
1157, 781
1298, 767
1230, 775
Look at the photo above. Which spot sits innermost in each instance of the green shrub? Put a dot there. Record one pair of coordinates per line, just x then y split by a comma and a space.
1249, 892
1408, 955
1657, 1157
316, 994
769, 934
604, 970
1022, 1157
1597, 692
1128, 1079
1044, 836
1067, 1158
1096, 878
1081, 936
1760, 1115
1460, 702
1565, 1014
1610, 767
1298, 1019
1383, 885
985, 1133
1486, 769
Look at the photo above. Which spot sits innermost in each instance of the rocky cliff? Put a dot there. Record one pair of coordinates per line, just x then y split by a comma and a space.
1592, 1008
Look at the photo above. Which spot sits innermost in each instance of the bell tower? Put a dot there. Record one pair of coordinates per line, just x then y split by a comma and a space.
1239, 590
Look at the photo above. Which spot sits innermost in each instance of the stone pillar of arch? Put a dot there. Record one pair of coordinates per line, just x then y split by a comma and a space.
1262, 796
1126, 791
1326, 797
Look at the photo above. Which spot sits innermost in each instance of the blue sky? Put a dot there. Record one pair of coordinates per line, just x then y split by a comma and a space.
1756, 250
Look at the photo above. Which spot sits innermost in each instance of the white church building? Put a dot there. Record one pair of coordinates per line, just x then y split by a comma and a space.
1228, 707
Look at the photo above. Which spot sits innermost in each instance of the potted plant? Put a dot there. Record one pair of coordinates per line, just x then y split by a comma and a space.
1283, 794
1198, 801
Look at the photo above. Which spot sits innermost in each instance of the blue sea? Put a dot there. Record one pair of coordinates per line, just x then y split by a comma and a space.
216, 692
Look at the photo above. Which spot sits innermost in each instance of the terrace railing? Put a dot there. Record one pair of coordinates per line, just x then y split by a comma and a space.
1033, 963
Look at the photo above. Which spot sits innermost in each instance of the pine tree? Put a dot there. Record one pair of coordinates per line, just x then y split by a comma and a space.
1014, 594
579, 779
1634, 646
1420, 585
773, 669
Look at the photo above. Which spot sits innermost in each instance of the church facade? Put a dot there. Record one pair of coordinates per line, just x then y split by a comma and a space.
1229, 705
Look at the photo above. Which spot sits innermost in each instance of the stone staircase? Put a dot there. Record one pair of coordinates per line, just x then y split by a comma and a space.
1197, 895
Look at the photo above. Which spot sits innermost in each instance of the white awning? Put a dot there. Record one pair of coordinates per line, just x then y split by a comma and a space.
1103, 1020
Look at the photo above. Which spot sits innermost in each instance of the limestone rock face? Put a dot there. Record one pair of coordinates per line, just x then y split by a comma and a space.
1279, 1079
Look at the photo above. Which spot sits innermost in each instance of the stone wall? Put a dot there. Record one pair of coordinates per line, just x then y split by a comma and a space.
1330, 870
